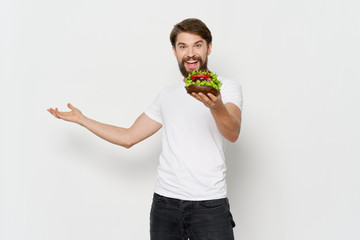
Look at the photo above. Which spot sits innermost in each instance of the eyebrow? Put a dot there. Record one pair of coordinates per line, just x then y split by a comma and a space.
181, 43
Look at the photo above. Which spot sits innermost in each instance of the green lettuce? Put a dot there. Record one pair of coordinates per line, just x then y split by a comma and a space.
215, 83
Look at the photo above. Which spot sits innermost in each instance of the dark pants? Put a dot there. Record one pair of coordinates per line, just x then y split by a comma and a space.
174, 219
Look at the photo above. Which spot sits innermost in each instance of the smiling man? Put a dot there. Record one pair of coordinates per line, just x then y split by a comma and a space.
191, 52
190, 199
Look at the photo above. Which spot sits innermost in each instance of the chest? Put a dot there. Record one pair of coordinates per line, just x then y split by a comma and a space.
182, 110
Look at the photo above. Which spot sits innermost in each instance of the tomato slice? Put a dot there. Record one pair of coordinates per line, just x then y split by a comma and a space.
201, 76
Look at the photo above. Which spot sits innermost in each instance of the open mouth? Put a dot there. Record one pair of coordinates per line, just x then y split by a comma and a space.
191, 63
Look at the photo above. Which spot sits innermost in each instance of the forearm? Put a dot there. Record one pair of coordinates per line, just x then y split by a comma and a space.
116, 135
142, 128
228, 125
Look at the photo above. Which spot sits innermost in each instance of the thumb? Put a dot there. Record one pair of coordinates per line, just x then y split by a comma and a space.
71, 106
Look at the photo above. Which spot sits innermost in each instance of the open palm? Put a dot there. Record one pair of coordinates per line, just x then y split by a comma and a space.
72, 116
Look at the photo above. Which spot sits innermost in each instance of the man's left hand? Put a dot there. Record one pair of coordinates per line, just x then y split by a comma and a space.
227, 116
209, 100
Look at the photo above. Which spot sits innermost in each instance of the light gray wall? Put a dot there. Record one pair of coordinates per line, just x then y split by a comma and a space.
292, 175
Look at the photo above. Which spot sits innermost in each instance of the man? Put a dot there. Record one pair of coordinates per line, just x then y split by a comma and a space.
190, 199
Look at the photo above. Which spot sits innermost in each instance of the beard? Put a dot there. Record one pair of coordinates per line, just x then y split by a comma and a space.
202, 67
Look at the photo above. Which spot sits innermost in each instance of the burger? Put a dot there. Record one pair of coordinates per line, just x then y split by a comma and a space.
202, 81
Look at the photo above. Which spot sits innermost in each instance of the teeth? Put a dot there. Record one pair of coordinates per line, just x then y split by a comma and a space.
191, 61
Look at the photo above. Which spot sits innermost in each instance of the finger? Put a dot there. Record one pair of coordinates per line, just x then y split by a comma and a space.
204, 98
51, 110
195, 95
212, 97
57, 113
71, 106
54, 113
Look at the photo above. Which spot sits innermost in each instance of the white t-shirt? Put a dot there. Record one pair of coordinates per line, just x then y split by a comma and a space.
192, 161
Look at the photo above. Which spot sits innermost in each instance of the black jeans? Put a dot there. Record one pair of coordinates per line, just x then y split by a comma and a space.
174, 219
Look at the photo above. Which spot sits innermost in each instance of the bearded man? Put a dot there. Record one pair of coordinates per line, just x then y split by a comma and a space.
190, 199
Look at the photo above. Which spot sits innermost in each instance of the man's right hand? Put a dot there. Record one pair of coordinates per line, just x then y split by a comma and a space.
73, 116
142, 128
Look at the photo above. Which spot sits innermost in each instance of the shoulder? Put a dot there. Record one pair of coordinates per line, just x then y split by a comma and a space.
229, 85
226, 82
231, 91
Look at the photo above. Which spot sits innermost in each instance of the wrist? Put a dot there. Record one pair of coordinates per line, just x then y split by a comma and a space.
82, 120
219, 108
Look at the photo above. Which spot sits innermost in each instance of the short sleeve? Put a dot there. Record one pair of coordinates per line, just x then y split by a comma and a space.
154, 110
231, 92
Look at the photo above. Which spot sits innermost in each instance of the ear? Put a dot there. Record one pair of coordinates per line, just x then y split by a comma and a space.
174, 50
209, 48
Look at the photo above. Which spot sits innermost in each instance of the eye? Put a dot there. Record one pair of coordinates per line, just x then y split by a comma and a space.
198, 45
182, 47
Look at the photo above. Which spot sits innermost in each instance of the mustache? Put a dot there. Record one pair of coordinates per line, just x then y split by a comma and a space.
203, 64
192, 58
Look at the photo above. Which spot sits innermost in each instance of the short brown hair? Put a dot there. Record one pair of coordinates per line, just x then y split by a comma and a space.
191, 25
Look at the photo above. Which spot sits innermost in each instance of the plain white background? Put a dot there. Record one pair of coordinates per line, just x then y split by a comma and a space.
292, 175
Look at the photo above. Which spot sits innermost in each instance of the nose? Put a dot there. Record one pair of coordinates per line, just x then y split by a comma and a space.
190, 52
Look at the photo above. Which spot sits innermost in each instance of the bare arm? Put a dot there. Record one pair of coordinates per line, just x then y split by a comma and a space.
142, 128
227, 116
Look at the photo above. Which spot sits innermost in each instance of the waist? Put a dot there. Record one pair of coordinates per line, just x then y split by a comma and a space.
175, 201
